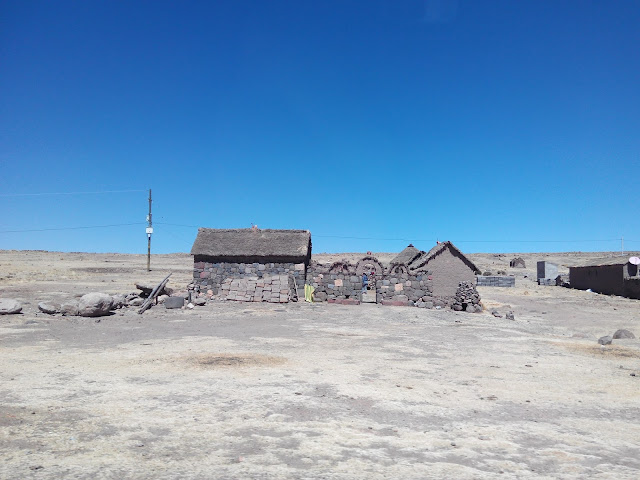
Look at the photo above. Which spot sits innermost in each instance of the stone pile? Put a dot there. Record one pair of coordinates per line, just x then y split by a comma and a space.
467, 298
273, 289
90, 305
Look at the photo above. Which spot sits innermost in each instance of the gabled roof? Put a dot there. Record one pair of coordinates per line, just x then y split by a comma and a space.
426, 257
406, 256
252, 244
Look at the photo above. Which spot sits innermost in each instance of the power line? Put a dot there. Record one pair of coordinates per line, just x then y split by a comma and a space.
67, 193
431, 239
71, 228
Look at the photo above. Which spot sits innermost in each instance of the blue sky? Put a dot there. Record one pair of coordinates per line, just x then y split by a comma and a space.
499, 125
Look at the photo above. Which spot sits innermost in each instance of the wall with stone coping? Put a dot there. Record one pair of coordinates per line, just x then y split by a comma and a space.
211, 275
390, 288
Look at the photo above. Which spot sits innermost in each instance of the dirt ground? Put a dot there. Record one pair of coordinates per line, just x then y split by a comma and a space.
318, 391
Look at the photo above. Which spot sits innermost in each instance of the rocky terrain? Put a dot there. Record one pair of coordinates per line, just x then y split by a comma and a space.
244, 390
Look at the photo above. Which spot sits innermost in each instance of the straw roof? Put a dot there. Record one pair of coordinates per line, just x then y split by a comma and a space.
253, 245
425, 257
406, 256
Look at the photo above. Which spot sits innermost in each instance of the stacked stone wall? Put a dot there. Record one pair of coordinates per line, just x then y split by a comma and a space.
496, 281
405, 289
340, 284
212, 275
391, 288
273, 289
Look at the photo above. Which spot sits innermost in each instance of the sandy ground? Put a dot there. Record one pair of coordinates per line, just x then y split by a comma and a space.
235, 390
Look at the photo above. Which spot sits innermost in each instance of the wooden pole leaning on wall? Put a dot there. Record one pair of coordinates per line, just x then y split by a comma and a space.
154, 293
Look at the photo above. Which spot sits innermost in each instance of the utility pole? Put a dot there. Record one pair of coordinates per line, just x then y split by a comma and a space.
149, 232
622, 244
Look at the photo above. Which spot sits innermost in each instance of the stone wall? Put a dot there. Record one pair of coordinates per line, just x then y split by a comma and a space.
405, 288
495, 281
273, 289
212, 275
334, 282
339, 281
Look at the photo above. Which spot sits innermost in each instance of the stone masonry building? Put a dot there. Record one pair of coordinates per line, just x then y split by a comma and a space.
251, 264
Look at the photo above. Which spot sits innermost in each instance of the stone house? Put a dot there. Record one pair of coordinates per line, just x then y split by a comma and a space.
447, 266
251, 264
611, 276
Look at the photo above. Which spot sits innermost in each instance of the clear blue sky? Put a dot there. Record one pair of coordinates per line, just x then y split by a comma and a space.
499, 125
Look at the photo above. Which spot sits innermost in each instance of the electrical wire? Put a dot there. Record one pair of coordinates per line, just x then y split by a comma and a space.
67, 193
72, 228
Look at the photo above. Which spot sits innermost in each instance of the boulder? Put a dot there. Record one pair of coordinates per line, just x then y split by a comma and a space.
9, 306
510, 316
605, 340
69, 308
200, 301
118, 301
319, 296
496, 314
135, 302
174, 302
146, 289
623, 333
49, 308
95, 305
161, 298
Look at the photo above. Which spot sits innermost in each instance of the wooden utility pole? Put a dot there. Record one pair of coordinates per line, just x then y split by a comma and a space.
149, 232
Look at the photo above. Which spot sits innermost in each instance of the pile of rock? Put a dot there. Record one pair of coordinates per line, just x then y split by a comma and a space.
273, 289
90, 305
467, 298
620, 334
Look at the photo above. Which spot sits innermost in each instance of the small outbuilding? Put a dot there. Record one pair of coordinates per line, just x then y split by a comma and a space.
447, 267
248, 263
517, 262
611, 276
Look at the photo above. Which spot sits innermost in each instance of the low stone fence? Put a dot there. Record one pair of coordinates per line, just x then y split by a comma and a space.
343, 285
405, 289
334, 286
495, 281
212, 275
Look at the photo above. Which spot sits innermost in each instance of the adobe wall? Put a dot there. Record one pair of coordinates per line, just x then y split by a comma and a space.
448, 269
607, 279
211, 275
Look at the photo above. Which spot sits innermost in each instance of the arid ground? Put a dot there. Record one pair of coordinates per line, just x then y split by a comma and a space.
243, 390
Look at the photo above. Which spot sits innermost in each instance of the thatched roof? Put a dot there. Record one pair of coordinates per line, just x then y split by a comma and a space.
425, 257
244, 245
406, 256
